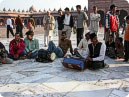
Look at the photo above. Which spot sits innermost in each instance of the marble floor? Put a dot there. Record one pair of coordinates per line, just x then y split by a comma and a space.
27, 78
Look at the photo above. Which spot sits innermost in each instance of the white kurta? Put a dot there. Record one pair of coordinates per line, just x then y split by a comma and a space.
94, 22
48, 31
83, 46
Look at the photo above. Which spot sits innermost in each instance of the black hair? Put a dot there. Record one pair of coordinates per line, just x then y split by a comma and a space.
112, 6
117, 10
120, 39
127, 18
78, 6
59, 10
94, 7
17, 33
29, 33
63, 32
92, 36
67, 9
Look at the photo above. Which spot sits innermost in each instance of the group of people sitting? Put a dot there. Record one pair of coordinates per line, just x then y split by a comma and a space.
115, 49
89, 48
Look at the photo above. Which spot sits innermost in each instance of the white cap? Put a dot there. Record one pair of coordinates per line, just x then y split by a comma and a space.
87, 31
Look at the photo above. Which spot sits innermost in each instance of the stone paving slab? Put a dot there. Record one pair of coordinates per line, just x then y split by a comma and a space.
27, 78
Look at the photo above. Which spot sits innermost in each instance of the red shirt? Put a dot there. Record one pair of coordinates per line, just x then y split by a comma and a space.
16, 47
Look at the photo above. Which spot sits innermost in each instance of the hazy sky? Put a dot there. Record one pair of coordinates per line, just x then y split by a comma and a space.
40, 4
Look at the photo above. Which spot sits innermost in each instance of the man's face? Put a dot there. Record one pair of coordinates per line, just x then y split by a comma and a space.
118, 13
78, 9
110, 38
127, 21
30, 37
114, 9
94, 40
95, 10
48, 13
66, 12
87, 36
60, 12
63, 36
17, 37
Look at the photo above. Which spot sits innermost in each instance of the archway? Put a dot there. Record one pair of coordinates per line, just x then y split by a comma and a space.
25, 22
13, 21
38, 22
102, 21
123, 13
2, 22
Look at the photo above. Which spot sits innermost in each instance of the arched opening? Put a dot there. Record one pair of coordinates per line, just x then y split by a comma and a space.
123, 13
102, 21
38, 22
25, 22
2, 22
13, 21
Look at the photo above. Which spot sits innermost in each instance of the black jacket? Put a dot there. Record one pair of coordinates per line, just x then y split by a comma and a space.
60, 22
71, 24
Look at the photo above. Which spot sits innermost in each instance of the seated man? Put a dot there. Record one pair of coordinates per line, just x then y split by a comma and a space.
64, 45
17, 47
110, 50
81, 50
95, 53
3, 55
119, 48
31, 45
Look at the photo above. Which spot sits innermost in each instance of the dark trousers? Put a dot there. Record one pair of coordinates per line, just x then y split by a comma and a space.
95, 64
80, 32
9, 29
19, 30
126, 46
21, 55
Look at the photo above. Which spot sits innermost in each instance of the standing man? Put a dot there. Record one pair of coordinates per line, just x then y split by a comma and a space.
48, 23
68, 22
81, 21
94, 21
9, 27
60, 24
19, 26
111, 25
31, 20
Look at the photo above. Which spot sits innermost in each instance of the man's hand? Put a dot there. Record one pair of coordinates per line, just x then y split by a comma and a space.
16, 56
29, 54
89, 59
3, 60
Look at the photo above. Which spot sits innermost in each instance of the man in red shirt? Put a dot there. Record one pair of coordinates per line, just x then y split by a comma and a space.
17, 47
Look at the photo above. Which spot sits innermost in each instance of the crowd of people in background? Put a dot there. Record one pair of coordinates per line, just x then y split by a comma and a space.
88, 45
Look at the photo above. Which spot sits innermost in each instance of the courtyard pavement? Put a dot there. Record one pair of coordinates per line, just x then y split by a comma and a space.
27, 78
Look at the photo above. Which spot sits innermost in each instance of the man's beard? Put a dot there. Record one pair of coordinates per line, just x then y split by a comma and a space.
62, 39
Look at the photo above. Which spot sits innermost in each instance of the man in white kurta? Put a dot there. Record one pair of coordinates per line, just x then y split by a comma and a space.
94, 21
48, 23
81, 49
